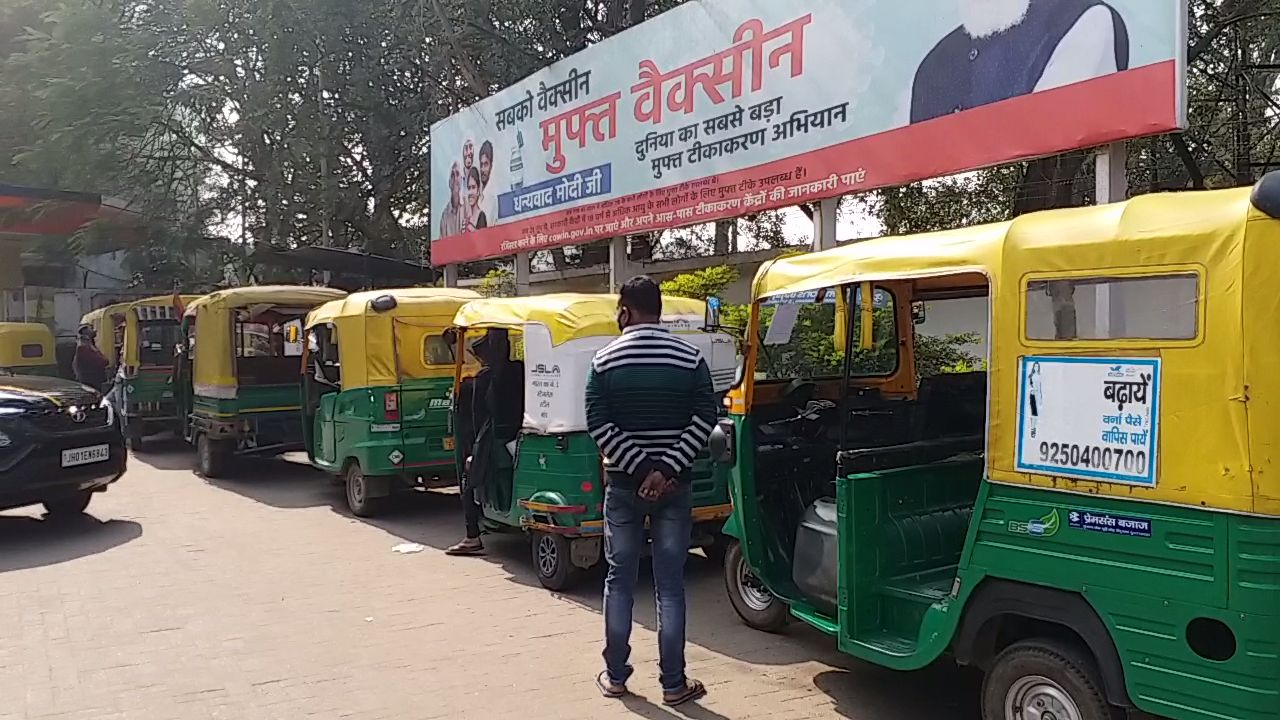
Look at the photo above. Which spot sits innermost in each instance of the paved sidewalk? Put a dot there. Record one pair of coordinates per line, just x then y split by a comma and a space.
261, 598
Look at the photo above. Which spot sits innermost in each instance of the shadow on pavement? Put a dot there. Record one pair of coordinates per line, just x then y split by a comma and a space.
29, 542
646, 708
165, 452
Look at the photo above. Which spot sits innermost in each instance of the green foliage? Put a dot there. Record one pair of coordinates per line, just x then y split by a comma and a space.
499, 282
701, 284
943, 354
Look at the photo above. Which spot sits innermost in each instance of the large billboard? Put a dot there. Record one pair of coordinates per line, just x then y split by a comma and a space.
722, 108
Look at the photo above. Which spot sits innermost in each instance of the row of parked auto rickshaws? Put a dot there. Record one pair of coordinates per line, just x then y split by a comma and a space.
1088, 516
364, 383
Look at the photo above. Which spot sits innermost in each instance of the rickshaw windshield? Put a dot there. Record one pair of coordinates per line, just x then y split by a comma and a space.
802, 335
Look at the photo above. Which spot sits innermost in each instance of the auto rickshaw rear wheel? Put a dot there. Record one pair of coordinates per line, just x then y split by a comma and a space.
359, 500
552, 561
212, 456
133, 432
1044, 677
753, 602
67, 507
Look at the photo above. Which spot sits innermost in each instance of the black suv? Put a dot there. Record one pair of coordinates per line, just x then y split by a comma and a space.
59, 444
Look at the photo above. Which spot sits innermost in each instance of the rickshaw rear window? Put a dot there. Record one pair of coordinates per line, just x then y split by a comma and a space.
156, 341
1151, 307
32, 350
436, 351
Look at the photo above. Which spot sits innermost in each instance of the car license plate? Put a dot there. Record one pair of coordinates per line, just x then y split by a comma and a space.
448, 443
85, 455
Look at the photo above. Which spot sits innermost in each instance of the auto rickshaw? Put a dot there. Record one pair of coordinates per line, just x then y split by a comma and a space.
1091, 517
27, 349
139, 339
549, 478
237, 375
378, 380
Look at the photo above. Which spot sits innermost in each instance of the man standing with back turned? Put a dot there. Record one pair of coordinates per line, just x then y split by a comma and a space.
650, 408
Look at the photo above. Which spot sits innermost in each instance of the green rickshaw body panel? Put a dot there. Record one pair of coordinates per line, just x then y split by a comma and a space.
424, 419
561, 470
149, 394
1148, 580
274, 413
352, 425
41, 370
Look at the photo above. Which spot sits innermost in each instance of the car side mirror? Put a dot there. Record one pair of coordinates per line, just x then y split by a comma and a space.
917, 312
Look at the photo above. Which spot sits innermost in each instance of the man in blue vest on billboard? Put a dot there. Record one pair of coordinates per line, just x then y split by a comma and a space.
1007, 48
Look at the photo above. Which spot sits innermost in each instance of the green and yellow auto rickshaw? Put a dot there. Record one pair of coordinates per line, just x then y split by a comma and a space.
27, 349
549, 480
139, 338
1077, 496
379, 378
237, 379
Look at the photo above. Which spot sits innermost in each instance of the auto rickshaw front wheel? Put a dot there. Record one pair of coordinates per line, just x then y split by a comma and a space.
212, 456
1044, 678
758, 608
553, 562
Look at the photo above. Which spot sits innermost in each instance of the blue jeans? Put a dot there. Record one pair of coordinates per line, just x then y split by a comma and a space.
670, 526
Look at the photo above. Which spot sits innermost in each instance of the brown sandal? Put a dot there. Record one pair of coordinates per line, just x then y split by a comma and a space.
693, 690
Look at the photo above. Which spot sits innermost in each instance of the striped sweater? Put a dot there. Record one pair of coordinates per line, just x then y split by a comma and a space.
650, 403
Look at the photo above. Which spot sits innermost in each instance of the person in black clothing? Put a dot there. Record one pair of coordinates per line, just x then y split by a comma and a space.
89, 364
490, 408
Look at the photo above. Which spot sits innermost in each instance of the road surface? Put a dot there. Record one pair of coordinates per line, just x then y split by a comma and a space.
260, 597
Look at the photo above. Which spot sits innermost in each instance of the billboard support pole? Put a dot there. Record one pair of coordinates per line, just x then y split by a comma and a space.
451, 276
619, 263
824, 224
522, 274
1111, 184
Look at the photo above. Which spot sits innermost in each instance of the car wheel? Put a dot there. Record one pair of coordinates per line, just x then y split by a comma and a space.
68, 506
212, 456
552, 562
753, 602
358, 499
1044, 678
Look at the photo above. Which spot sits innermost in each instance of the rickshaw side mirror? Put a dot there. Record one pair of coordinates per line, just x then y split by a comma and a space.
383, 303
711, 317
721, 442
917, 312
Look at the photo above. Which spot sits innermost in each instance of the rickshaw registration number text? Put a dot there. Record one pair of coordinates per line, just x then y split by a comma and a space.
1092, 456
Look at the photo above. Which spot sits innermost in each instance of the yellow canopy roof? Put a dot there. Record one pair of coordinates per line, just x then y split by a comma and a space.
410, 302
15, 335
378, 349
566, 315
214, 370
285, 295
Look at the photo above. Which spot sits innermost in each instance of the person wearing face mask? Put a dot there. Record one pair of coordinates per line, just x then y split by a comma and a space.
651, 407
1007, 48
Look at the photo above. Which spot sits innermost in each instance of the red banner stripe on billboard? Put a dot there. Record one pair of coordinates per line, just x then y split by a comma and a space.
1017, 129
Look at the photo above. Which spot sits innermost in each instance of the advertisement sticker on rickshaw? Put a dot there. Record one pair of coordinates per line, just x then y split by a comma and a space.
1090, 418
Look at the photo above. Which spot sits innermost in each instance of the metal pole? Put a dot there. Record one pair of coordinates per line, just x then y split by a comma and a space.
619, 264
451, 276
522, 274
824, 224
1111, 185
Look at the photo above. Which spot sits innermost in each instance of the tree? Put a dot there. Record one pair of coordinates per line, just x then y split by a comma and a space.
701, 284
